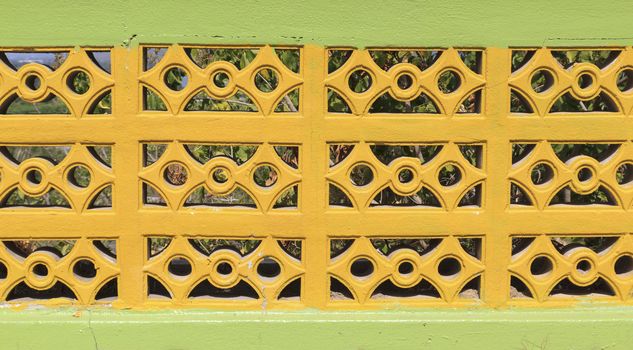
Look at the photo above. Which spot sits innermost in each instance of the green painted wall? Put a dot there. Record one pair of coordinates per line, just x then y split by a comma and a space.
331, 22
192, 330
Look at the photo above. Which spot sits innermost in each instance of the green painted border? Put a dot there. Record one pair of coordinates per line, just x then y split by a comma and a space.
359, 23
69, 329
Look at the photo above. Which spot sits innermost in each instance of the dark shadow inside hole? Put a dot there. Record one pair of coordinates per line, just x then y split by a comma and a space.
291, 291
224, 268
179, 267
584, 266
585, 174
566, 287
155, 288
268, 268
449, 267
34, 176
58, 290
338, 291
405, 268
208, 290
541, 266
40, 270
623, 266
518, 289
362, 267
388, 289
3, 271
109, 291
85, 268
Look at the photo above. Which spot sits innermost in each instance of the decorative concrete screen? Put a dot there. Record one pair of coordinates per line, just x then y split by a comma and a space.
253, 177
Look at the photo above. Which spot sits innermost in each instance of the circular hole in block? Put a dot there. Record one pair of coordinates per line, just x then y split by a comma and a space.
359, 81
405, 268
176, 79
34, 176
266, 80
541, 173
179, 266
220, 175
449, 175
79, 176
449, 81
449, 267
175, 174
361, 175
541, 81
405, 176
224, 268
541, 266
221, 80
585, 81
268, 268
584, 266
78, 82
361, 267
405, 81
585, 174
40, 270
33, 82
265, 176
85, 268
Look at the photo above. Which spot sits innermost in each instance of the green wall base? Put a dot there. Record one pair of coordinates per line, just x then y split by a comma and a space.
68, 329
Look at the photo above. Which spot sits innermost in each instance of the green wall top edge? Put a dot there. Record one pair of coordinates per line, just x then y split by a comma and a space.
354, 23
72, 314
